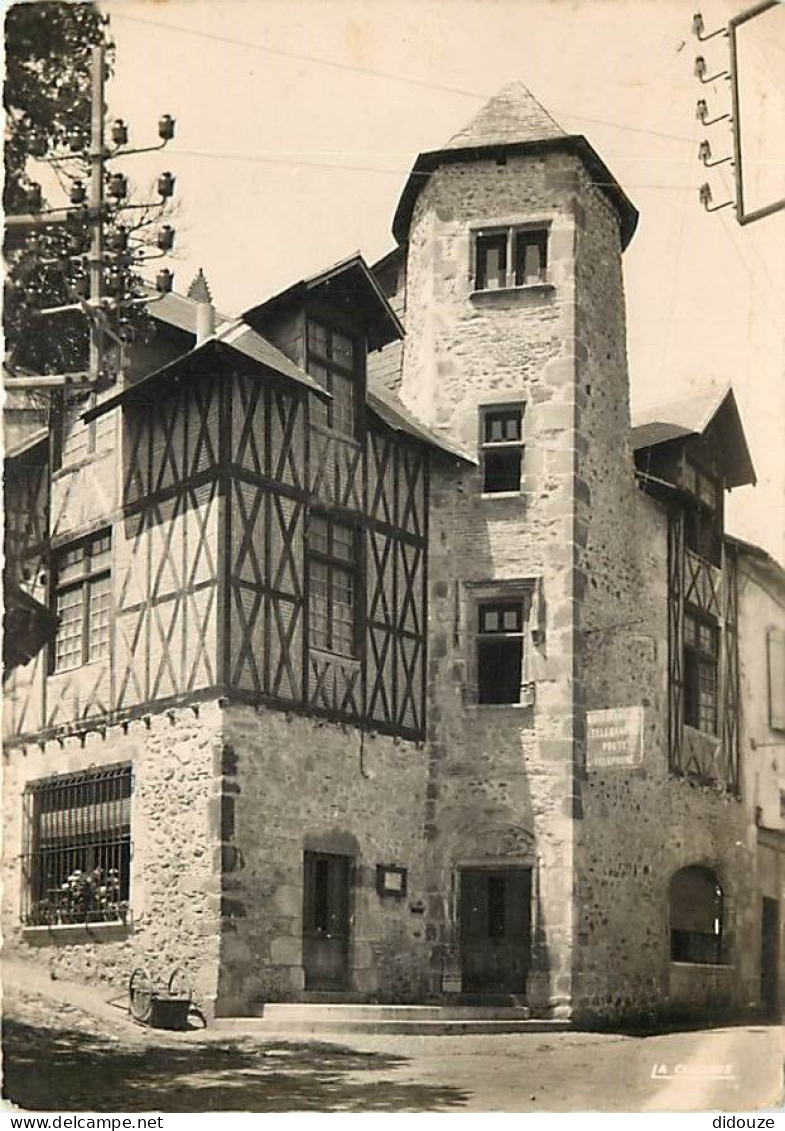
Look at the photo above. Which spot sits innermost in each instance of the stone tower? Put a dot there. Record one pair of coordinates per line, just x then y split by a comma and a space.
515, 347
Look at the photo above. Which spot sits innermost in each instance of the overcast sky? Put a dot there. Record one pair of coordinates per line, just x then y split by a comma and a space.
297, 121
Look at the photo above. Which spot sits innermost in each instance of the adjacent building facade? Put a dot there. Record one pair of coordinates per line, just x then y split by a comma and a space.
392, 663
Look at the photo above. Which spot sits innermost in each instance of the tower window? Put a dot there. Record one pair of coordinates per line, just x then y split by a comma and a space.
501, 448
500, 652
510, 257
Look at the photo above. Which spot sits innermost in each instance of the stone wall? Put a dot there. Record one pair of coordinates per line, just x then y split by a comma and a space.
762, 607
293, 784
175, 868
641, 824
500, 778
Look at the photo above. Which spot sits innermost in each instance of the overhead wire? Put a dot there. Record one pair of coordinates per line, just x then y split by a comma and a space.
301, 163
321, 61
740, 253
674, 275
409, 81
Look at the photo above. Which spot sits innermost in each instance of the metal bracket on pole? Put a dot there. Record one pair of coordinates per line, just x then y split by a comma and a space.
75, 381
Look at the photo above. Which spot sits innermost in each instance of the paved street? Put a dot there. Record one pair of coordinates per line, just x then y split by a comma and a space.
94, 1061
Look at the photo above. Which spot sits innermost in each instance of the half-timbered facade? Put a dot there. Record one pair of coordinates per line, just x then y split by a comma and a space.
372, 651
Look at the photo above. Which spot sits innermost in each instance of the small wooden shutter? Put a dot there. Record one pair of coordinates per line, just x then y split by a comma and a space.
776, 657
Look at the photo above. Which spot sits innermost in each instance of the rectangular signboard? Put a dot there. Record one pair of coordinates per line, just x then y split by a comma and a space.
614, 737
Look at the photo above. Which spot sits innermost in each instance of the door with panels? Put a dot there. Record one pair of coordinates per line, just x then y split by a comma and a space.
495, 929
326, 920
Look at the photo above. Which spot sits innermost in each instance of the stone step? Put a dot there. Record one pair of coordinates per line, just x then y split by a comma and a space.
424, 1020
350, 1011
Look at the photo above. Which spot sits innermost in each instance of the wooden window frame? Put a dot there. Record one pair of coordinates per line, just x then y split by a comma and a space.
85, 582
489, 448
519, 601
334, 369
704, 660
703, 519
510, 237
88, 852
335, 564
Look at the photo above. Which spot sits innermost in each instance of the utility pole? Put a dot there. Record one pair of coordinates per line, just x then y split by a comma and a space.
111, 253
96, 209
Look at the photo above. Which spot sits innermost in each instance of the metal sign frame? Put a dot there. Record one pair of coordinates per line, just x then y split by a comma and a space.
742, 215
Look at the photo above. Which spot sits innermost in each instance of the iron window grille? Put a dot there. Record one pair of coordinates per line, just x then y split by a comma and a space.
696, 914
77, 848
510, 256
331, 361
701, 661
501, 448
82, 602
500, 632
333, 586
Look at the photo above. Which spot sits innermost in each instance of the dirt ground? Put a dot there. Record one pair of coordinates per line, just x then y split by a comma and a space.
60, 1057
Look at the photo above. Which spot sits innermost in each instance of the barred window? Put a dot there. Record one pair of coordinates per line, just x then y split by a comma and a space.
333, 585
331, 363
82, 600
701, 654
77, 847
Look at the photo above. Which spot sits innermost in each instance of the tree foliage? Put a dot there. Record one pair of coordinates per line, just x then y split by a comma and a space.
47, 84
46, 96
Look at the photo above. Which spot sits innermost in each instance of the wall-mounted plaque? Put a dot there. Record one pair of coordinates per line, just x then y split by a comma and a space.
614, 737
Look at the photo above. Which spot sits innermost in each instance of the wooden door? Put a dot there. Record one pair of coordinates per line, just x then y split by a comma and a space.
495, 931
326, 920
769, 955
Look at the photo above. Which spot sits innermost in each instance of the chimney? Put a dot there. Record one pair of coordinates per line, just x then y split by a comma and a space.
199, 293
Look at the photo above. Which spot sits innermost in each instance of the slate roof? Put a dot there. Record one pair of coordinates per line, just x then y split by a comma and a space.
684, 415
513, 120
392, 412
513, 115
178, 311
234, 336
349, 280
714, 408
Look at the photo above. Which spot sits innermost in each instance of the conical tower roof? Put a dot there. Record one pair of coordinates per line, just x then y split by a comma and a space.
512, 116
199, 291
512, 121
